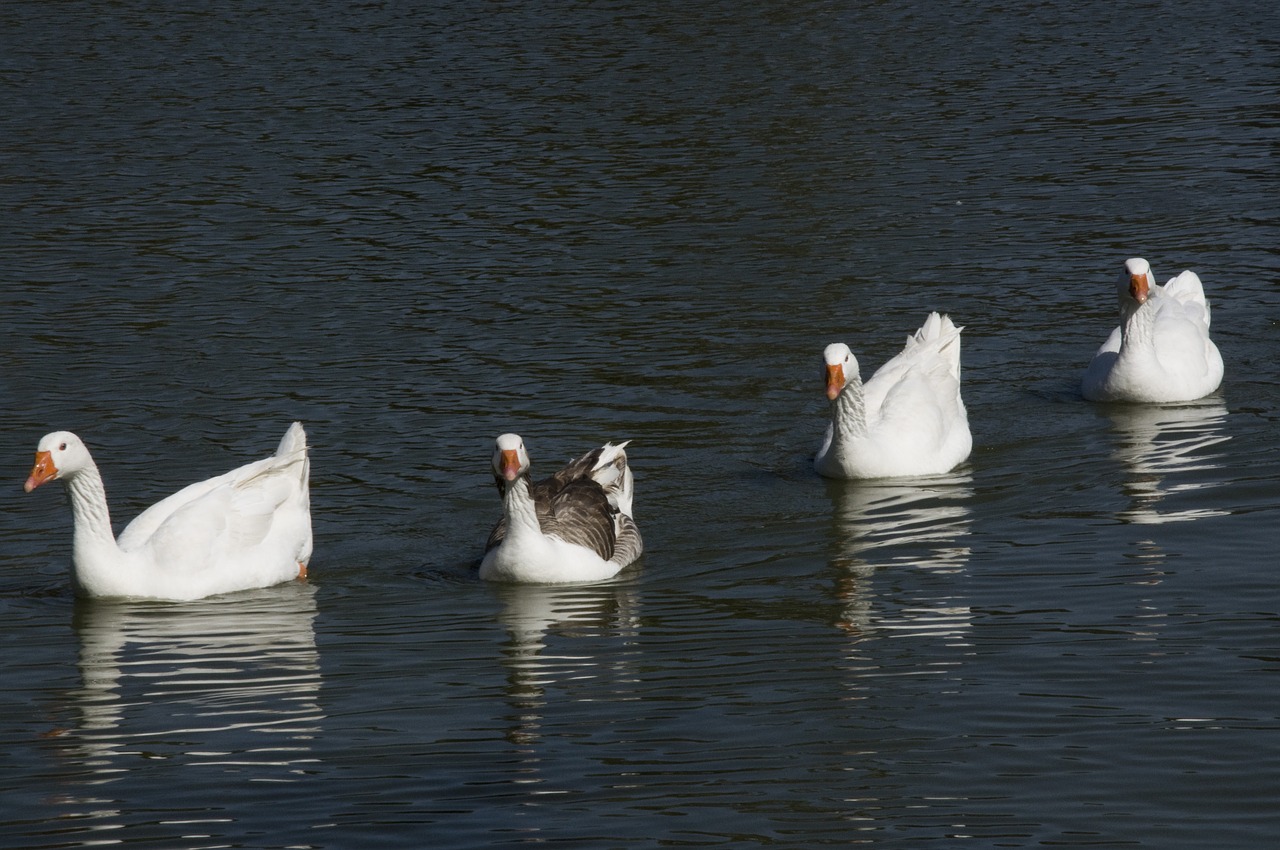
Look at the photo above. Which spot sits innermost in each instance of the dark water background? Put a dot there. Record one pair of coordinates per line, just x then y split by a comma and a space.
415, 226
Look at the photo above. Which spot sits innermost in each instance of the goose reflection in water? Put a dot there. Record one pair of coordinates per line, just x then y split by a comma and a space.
1160, 443
915, 523
543, 622
230, 683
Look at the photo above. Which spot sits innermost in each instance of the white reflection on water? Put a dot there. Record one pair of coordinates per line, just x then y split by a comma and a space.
917, 523
538, 616
1157, 443
229, 684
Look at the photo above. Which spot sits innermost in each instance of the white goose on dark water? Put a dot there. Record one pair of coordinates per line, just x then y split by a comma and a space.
1160, 351
576, 526
247, 528
907, 419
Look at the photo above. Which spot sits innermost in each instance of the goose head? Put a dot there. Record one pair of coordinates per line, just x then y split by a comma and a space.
840, 367
1136, 281
59, 455
510, 460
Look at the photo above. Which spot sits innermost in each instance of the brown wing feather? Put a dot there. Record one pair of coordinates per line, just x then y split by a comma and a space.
572, 507
580, 513
628, 546
499, 531
575, 469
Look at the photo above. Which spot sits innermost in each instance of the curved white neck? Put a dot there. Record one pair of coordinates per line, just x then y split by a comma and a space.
93, 534
848, 410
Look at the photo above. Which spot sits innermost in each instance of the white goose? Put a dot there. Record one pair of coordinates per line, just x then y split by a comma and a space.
1161, 350
248, 528
576, 526
908, 419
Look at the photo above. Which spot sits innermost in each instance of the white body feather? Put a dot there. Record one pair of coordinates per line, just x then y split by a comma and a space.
250, 527
1160, 351
908, 419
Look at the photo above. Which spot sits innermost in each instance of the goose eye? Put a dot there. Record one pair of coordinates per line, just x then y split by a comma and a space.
62, 447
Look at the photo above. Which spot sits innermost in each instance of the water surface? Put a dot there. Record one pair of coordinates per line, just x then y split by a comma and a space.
416, 228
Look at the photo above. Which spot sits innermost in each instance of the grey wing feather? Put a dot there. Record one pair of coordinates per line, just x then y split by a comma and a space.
575, 509
580, 504
575, 469
499, 531
628, 545
580, 513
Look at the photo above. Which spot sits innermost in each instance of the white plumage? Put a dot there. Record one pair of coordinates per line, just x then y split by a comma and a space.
250, 527
1161, 349
908, 419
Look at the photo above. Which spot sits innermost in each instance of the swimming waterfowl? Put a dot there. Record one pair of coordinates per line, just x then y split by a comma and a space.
908, 419
248, 528
1161, 350
576, 526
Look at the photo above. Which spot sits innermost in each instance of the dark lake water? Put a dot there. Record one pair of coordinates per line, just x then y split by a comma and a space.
416, 226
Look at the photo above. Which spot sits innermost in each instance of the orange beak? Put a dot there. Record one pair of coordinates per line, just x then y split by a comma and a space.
1138, 287
835, 380
43, 471
510, 464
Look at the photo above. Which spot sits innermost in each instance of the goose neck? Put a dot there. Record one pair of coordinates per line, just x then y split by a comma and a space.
521, 512
1138, 325
848, 411
90, 512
